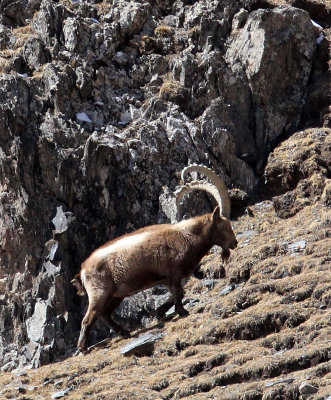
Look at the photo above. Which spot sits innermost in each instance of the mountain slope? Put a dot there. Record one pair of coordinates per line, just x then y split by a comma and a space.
262, 331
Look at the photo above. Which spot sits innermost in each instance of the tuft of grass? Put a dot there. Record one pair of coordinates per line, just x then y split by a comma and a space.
148, 44
163, 31
104, 7
5, 65
173, 91
194, 32
22, 34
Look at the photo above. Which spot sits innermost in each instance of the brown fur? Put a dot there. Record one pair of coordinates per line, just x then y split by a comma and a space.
161, 254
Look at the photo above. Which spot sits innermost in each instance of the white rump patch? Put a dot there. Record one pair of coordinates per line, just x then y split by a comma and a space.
126, 243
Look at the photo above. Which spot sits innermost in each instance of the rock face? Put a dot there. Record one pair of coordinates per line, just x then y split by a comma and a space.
100, 105
297, 172
259, 58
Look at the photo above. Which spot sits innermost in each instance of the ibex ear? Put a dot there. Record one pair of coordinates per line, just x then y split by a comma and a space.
216, 214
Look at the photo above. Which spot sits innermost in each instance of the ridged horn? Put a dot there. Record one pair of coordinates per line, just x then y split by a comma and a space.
216, 188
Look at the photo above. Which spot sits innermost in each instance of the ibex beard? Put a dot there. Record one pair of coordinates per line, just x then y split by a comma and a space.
158, 254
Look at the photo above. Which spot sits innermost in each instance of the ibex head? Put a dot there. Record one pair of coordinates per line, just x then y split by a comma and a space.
222, 231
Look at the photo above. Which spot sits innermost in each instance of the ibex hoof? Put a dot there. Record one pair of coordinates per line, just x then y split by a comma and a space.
80, 352
126, 334
183, 313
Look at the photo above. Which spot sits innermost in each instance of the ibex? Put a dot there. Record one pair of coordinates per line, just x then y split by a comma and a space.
158, 254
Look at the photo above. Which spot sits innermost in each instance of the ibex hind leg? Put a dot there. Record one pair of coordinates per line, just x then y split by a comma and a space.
94, 311
177, 291
89, 319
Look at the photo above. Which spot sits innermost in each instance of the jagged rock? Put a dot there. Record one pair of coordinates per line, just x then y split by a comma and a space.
214, 20
121, 58
210, 283
228, 289
35, 53
239, 201
318, 99
21, 373
12, 12
168, 206
131, 16
141, 307
157, 64
297, 246
59, 86
4, 37
270, 384
37, 322
62, 393
142, 346
239, 19
221, 142
61, 221
260, 63
318, 9
185, 69
49, 22
78, 36
307, 389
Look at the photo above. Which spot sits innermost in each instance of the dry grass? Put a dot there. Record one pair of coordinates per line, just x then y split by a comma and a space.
22, 34
173, 91
5, 65
104, 7
194, 32
6, 60
146, 44
164, 31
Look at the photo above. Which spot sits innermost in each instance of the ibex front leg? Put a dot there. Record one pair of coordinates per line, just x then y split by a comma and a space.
176, 289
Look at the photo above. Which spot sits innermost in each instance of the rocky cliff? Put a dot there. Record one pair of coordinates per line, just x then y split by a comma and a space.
103, 102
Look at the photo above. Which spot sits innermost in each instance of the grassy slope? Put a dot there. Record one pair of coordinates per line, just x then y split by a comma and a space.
260, 341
